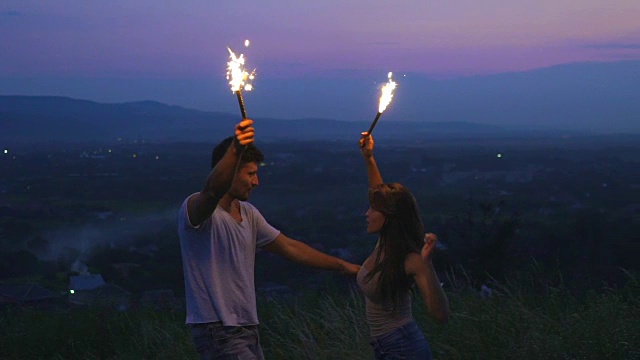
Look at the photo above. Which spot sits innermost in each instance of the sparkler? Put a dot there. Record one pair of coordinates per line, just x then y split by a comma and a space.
239, 78
385, 99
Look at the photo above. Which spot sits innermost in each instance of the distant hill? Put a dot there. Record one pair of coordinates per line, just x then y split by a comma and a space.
27, 119
595, 97
592, 97
37, 119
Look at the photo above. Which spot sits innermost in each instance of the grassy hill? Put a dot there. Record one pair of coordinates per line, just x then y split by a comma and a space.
528, 317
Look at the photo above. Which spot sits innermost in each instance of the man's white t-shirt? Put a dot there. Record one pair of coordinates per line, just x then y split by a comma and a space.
218, 259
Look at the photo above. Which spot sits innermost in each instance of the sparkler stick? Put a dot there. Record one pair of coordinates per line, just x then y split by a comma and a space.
241, 103
385, 99
239, 78
373, 124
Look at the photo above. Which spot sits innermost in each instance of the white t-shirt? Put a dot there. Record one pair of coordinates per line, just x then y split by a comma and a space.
218, 259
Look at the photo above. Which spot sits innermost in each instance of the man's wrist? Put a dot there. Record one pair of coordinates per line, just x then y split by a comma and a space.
237, 147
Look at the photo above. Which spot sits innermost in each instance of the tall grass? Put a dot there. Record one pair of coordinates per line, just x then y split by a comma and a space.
511, 325
329, 327
524, 319
93, 333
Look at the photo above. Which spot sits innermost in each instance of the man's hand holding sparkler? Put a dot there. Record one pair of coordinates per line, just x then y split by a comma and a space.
245, 132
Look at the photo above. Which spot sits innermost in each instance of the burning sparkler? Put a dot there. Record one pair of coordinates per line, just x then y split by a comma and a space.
239, 78
385, 99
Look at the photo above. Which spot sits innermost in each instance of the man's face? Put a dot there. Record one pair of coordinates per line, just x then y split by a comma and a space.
245, 180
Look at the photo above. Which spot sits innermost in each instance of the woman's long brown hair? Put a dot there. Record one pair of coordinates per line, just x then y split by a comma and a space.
401, 234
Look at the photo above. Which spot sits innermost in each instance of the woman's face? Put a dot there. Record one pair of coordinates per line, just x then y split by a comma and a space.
375, 220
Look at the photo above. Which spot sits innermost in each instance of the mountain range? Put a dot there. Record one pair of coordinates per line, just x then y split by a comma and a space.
588, 98
46, 119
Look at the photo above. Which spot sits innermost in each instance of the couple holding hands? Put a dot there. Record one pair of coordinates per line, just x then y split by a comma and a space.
220, 232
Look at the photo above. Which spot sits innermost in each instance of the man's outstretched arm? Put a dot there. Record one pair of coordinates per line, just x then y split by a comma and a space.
301, 253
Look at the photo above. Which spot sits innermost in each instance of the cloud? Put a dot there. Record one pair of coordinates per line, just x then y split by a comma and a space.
386, 43
614, 46
11, 13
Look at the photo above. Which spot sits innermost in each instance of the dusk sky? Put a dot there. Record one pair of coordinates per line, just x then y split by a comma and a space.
175, 51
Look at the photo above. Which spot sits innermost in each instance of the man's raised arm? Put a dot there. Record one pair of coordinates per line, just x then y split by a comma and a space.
201, 205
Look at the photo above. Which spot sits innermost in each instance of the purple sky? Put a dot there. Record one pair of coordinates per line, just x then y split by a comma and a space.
135, 49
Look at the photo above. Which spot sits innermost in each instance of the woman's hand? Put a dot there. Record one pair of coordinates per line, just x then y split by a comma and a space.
430, 240
366, 145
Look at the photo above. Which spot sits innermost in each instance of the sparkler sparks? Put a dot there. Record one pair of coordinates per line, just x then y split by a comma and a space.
239, 78
387, 93
385, 99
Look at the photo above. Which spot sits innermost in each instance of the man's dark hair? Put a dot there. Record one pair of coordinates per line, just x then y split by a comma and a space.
250, 154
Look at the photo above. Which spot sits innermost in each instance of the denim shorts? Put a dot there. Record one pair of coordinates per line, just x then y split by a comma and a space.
406, 342
219, 342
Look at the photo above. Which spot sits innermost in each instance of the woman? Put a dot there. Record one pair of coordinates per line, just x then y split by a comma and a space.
400, 260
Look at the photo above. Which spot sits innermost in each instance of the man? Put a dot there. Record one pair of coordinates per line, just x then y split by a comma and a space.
219, 234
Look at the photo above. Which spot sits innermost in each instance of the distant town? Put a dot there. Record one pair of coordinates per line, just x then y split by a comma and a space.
82, 222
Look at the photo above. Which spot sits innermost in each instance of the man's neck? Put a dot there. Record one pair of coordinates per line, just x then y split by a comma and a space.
231, 206
227, 203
